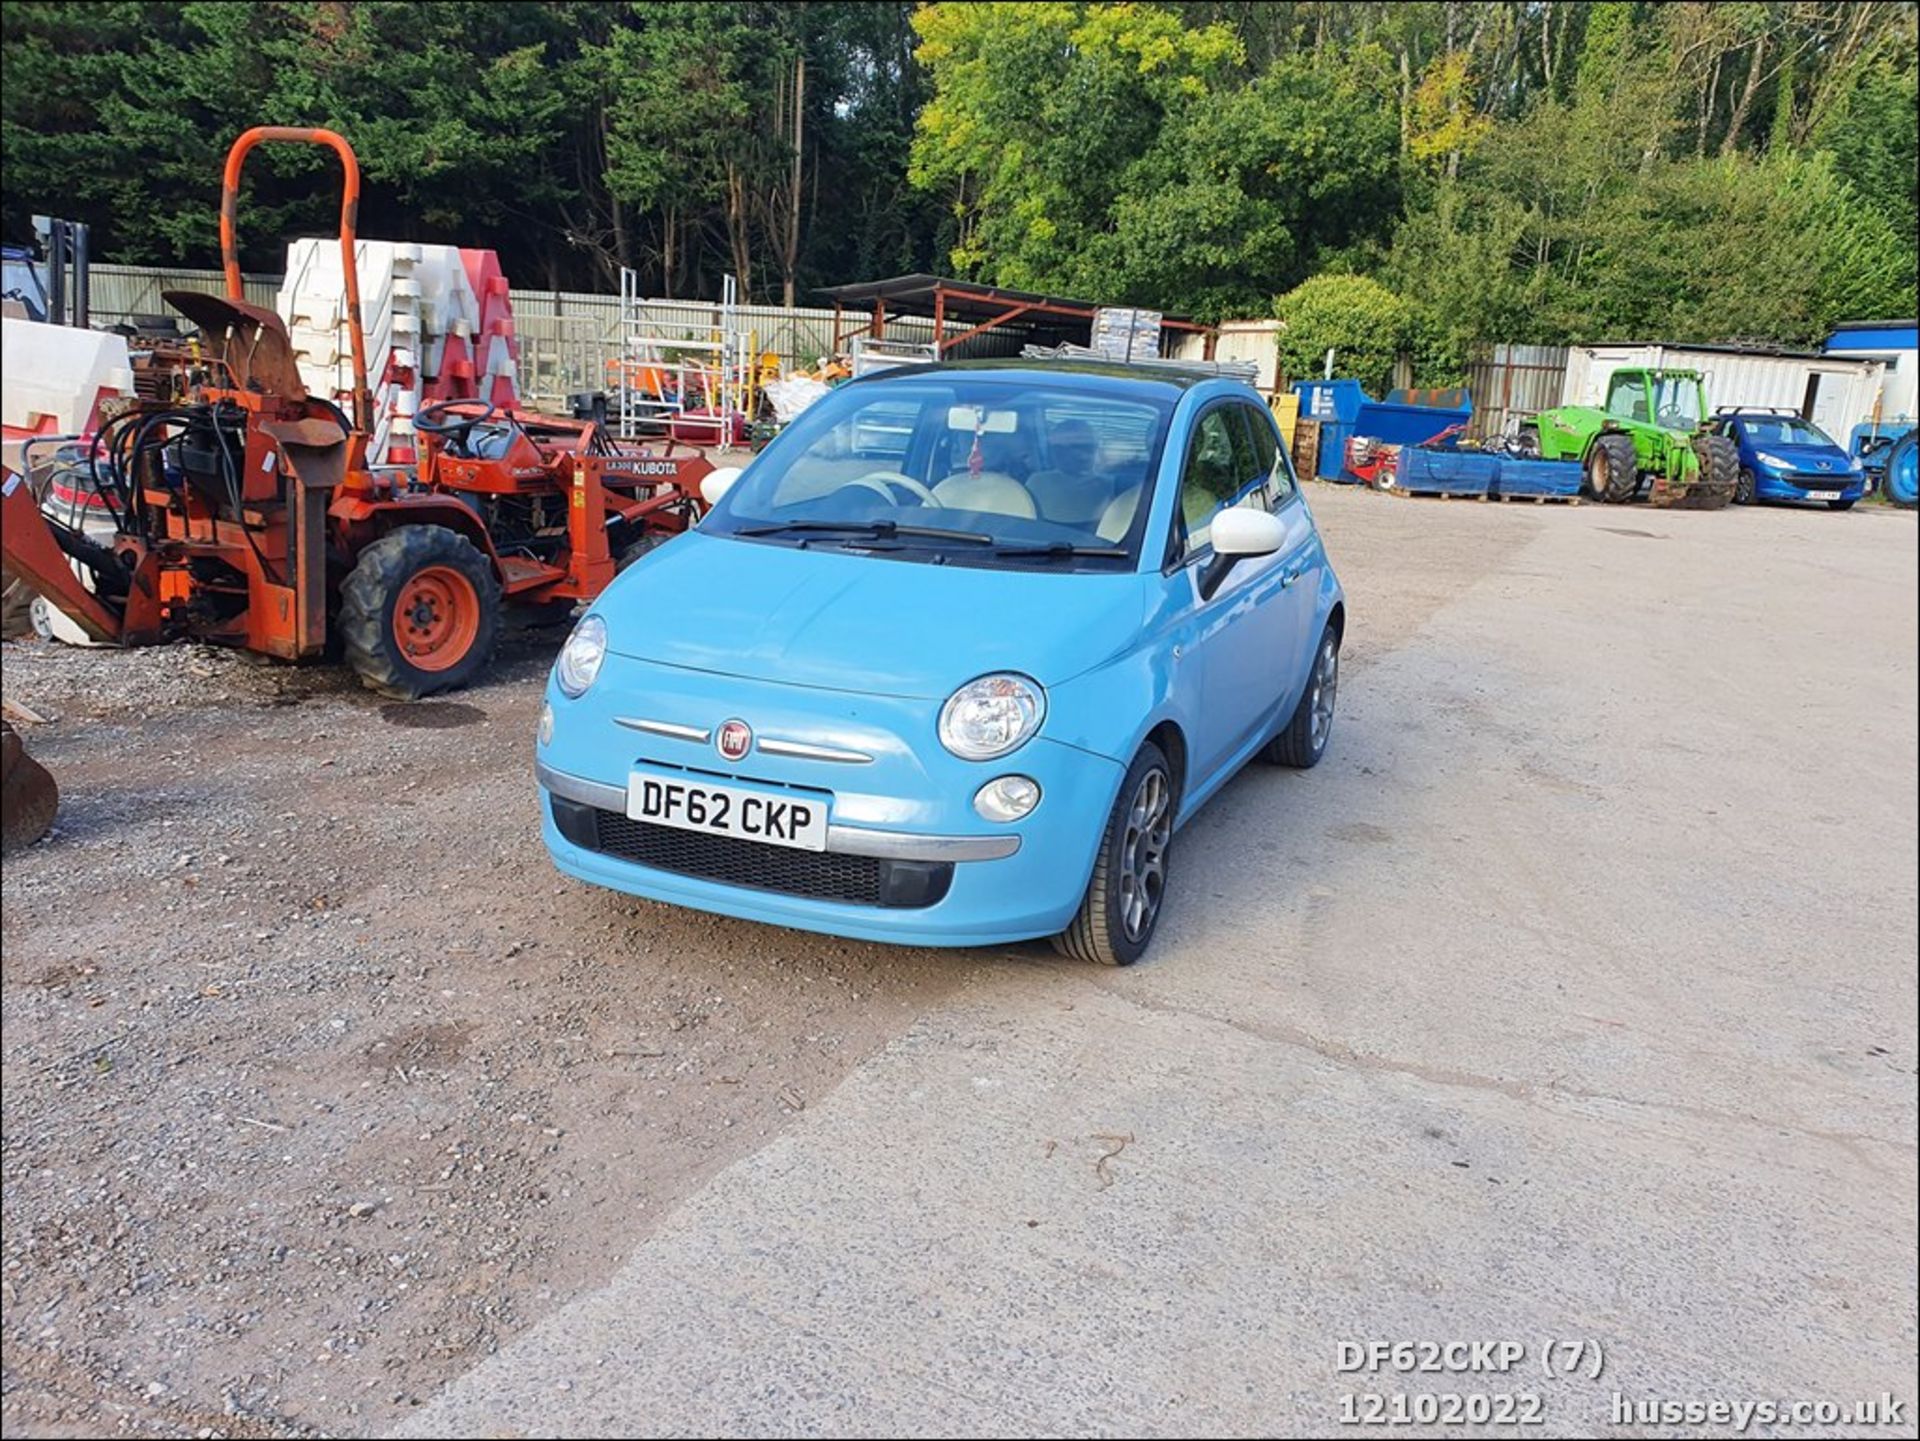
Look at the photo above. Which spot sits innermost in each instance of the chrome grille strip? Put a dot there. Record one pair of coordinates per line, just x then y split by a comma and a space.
665, 728
802, 751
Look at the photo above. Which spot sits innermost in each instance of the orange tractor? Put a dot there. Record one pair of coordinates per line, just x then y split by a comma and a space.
244, 511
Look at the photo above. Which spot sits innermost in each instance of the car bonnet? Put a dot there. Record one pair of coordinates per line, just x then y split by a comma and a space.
839, 620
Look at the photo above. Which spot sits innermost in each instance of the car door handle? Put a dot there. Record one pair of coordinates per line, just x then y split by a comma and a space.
1288, 577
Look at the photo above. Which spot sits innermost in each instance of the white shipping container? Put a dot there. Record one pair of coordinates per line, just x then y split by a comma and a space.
1834, 392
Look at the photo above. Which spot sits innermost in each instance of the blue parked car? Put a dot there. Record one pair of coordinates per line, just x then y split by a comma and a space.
951, 661
1783, 457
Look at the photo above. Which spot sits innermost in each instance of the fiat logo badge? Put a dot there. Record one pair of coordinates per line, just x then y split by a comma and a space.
735, 740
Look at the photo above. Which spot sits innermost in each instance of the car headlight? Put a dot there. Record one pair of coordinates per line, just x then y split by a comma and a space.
580, 657
1854, 467
991, 716
1774, 461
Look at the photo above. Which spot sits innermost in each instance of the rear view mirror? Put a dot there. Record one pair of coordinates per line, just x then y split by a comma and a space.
975, 421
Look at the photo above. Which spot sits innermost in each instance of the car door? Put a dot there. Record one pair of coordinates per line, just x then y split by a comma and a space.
1283, 632
1244, 638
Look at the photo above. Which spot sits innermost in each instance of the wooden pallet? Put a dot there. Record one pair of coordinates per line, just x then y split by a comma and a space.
1306, 447
1540, 499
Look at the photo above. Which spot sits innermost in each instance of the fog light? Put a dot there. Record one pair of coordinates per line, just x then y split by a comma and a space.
546, 723
1007, 799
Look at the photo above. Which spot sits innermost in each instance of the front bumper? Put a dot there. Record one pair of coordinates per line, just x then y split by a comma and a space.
841, 840
1794, 485
940, 874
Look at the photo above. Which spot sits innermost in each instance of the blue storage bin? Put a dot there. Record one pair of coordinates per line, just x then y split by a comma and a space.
1330, 400
1401, 424
1539, 477
1453, 472
1332, 464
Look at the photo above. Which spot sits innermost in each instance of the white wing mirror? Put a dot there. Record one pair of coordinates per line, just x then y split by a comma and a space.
1242, 531
1236, 534
718, 482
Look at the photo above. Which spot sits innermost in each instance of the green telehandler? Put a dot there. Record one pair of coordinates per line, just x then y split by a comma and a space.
1654, 431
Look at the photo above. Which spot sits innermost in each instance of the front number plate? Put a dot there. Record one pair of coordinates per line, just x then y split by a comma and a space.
1823, 495
747, 815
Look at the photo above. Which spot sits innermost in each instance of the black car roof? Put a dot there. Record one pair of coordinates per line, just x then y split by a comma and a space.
1071, 371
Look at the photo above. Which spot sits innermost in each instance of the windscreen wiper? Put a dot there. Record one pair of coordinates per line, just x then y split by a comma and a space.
878, 529
1065, 551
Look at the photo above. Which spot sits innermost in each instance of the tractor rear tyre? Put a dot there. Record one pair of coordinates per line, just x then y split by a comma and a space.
420, 612
1613, 471
1719, 477
1901, 484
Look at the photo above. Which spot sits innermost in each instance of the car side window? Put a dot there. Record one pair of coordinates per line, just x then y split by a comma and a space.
1274, 473
1210, 478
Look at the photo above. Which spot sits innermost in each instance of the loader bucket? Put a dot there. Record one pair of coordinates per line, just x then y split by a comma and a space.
28, 796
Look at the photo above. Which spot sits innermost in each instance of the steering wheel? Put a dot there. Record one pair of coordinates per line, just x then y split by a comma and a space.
1672, 417
440, 419
879, 480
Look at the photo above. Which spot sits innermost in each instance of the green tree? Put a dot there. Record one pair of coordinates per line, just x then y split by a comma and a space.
1363, 323
1038, 110
1248, 194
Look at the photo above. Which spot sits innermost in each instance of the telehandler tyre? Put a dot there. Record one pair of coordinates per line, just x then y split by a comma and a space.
420, 612
1613, 472
1719, 473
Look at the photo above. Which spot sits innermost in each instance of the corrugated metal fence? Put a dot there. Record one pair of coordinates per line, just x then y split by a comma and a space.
119, 292
1514, 380
568, 339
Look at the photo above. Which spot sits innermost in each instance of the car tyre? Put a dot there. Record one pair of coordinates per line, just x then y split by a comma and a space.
1117, 916
1746, 487
1303, 741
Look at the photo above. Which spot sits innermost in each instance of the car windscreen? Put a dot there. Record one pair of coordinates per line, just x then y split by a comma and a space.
959, 469
1783, 430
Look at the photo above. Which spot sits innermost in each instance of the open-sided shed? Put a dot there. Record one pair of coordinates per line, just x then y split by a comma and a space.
965, 313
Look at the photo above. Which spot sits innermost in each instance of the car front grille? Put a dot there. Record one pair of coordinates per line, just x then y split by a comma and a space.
1811, 480
821, 875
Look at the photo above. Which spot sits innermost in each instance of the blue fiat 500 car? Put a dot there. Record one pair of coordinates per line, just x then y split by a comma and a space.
951, 661
1783, 457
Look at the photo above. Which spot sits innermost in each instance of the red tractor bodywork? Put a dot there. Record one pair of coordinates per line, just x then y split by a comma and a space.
241, 502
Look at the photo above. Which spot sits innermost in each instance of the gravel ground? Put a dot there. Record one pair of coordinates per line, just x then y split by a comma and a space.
322, 1085
320, 1081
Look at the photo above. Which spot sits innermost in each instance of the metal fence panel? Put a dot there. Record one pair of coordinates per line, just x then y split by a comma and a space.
1512, 381
569, 340
120, 292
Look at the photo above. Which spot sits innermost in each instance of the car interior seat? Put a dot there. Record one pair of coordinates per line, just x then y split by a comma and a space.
988, 492
1071, 499
1117, 519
